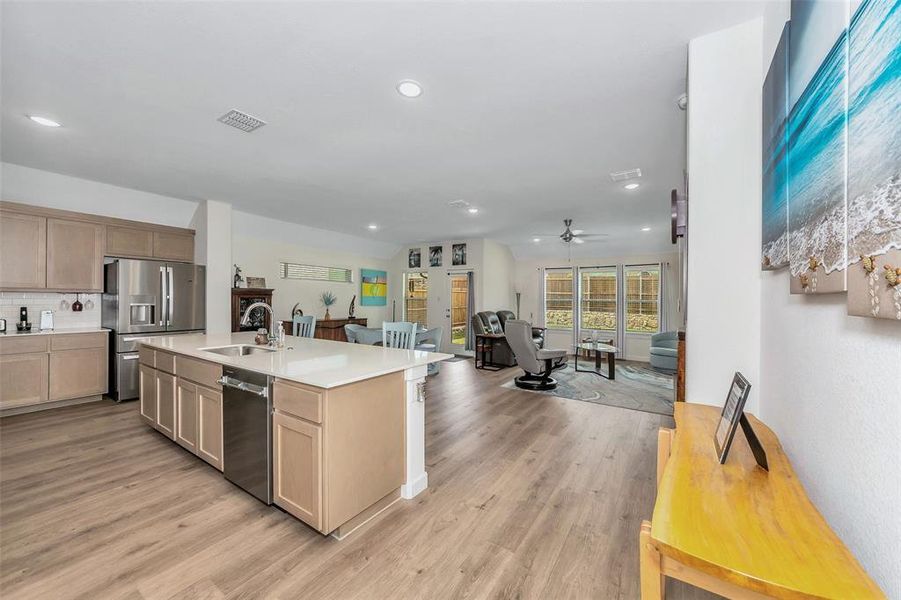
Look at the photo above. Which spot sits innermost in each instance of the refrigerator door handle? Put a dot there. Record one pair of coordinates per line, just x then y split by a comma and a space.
170, 289
164, 295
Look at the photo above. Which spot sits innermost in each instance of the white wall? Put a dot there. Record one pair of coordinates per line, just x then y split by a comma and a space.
498, 276
828, 383
212, 224
527, 281
724, 146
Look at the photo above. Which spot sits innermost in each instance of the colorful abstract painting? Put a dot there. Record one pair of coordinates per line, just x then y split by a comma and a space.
774, 233
817, 144
874, 159
373, 287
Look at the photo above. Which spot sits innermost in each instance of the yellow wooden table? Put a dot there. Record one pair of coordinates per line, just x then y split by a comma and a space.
735, 529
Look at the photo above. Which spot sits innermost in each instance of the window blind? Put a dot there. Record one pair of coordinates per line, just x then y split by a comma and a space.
298, 271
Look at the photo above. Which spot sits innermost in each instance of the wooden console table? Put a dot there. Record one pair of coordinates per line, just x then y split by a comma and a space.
735, 529
333, 329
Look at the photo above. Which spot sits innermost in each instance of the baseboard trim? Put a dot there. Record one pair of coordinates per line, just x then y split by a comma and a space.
367, 515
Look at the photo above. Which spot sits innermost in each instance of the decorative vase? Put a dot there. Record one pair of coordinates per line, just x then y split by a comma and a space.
327, 316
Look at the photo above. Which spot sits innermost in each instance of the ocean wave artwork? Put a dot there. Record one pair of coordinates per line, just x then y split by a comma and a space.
774, 233
817, 138
874, 160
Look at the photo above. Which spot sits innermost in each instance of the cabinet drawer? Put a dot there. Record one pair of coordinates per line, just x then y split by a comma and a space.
24, 344
164, 361
75, 341
198, 371
147, 356
301, 401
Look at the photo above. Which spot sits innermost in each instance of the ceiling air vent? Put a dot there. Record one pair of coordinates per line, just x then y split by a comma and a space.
458, 203
242, 121
624, 175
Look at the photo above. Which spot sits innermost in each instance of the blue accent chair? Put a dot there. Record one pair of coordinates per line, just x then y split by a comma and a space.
665, 351
304, 326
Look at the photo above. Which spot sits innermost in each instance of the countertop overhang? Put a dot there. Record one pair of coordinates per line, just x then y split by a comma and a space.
315, 362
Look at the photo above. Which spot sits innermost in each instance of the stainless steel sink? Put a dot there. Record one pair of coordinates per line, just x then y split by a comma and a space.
239, 350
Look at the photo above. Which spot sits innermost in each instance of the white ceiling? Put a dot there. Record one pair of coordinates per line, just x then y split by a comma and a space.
527, 108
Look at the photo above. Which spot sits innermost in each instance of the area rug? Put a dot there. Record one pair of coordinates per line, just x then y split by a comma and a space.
637, 387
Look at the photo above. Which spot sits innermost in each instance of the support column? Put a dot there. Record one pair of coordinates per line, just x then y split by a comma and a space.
417, 479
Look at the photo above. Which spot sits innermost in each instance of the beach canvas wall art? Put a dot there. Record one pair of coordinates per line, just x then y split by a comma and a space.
817, 134
774, 232
373, 287
874, 159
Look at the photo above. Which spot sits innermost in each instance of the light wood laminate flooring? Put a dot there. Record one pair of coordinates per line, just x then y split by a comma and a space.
529, 497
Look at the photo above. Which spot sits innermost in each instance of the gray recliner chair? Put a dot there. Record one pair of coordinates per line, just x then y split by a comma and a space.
537, 332
538, 364
488, 322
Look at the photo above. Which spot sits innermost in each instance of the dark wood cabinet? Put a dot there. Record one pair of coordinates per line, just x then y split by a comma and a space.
333, 329
244, 297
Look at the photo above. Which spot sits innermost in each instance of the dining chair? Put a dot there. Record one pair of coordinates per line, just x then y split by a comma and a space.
399, 335
350, 332
304, 326
429, 340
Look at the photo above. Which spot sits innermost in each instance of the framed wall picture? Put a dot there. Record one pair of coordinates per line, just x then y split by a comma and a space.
436, 255
458, 252
373, 287
256, 282
414, 258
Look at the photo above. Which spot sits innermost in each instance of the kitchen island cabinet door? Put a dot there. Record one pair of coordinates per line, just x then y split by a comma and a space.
75, 255
296, 468
23, 380
23, 251
165, 403
209, 426
186, 414
147, 387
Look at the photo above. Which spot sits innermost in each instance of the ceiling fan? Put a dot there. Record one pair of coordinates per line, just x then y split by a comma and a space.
575, 236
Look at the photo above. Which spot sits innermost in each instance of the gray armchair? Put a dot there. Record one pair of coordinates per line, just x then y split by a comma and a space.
488, 322
537, 332
665, 351
538, 364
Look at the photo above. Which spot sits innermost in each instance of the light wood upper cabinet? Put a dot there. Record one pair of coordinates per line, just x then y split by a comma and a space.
75, 255
173, 246
165, 403
296, 467
129, 242
23, 251
186, 414
78, 373
23, 380
209, 426
147, 391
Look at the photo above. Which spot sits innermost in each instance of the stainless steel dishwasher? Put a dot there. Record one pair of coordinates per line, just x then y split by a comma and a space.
247, 430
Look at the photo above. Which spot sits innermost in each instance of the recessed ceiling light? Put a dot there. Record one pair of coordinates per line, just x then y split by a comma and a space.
536, 240
373, 226
409, 88
645, 228
472, 210
44, 121
631, 186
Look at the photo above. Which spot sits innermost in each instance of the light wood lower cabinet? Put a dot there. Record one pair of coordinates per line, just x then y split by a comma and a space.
23, 379
296, 467
78, 373
186, 414
147, 391
209, 426
165, 403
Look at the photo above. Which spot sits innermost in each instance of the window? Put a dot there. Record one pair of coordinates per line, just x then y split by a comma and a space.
597, 293
642, 299
296, 271
416, 297
558, 298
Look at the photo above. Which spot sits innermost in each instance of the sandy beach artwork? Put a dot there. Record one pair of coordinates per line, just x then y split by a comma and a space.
817, 144
874, 160
774, 231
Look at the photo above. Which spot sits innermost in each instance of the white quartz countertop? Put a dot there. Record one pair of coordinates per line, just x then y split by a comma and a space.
320, 363
11, 330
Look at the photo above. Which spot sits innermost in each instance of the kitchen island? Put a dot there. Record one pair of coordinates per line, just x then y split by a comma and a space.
345, 423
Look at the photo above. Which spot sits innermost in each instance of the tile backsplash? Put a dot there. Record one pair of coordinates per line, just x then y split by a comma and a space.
36, 302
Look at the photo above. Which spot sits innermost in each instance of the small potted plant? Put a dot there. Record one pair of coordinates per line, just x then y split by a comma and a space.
328, 299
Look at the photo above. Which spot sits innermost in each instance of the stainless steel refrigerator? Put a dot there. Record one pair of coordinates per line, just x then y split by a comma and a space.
144, 298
